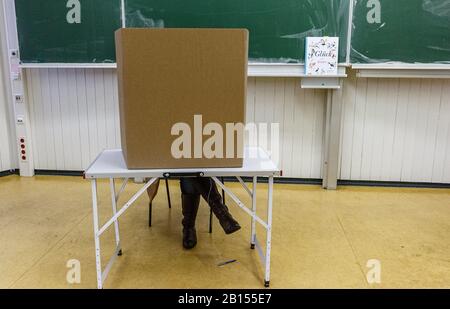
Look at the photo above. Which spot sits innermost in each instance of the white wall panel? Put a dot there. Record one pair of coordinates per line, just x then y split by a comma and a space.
396, 130
300, 114
74, 115
393, 129
6, 142
7, 153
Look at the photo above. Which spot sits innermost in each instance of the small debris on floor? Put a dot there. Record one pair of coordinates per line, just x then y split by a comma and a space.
226, 263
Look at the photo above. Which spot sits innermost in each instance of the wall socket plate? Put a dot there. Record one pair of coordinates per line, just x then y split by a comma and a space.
18, 98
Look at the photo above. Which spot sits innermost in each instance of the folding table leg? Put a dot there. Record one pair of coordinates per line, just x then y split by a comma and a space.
269, 232
114, 208
253, 236
96, 236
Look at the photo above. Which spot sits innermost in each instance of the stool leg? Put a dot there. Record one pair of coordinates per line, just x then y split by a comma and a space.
168, 193
150, 208
210, 221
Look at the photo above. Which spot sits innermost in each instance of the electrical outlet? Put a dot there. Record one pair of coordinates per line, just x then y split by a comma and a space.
18, 98
23, 150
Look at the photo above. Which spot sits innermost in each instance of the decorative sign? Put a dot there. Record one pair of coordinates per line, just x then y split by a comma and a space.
321, 55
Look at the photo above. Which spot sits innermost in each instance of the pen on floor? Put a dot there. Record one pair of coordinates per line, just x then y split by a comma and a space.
226, 263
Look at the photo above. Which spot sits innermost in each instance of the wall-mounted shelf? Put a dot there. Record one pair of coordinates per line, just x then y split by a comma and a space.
321, 82
286, 70
402, 70
68, 66
254, 69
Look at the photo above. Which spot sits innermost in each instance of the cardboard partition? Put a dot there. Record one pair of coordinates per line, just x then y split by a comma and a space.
177, 85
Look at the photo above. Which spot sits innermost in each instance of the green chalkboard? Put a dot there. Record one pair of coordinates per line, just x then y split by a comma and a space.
278, 28
46, 36
410, 31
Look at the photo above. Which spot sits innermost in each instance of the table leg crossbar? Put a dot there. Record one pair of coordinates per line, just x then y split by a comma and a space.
111, 262
239, 203
245, 186
265, 258
126, 206
124, 184
101, 275
260, 251
254, 243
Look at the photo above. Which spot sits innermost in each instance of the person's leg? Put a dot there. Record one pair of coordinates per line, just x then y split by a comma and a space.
208, 189
151, 191
190, 200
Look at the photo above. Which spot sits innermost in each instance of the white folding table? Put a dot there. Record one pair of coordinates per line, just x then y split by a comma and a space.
110, 165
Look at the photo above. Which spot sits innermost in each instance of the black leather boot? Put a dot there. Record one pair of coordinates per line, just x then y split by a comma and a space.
208, 190
190, 203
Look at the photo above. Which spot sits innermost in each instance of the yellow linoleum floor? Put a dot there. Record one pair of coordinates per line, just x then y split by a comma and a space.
321, 239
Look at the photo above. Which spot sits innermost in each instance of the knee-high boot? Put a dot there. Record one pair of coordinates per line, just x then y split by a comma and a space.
208, 189
190, 203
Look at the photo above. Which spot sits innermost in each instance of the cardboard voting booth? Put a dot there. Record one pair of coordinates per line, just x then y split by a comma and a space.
177, 87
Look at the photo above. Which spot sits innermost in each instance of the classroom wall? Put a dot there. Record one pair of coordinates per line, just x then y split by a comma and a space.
74, 115
396, 130
393, 129
300, 114
6, 159
7, 154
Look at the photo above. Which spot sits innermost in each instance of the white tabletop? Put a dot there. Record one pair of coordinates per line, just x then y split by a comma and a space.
111, 164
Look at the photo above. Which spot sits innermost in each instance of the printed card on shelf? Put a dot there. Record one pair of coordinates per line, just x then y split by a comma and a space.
321, 55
